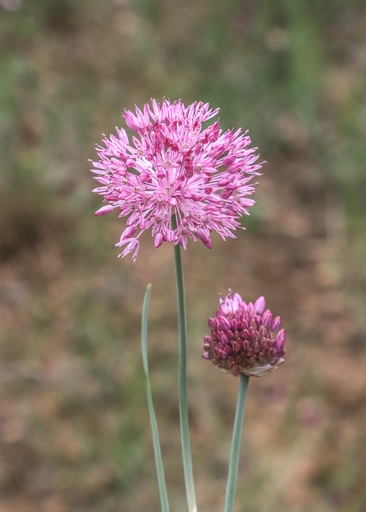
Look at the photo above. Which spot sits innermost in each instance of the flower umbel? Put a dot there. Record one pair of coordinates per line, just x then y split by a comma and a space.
243, 338
175, 166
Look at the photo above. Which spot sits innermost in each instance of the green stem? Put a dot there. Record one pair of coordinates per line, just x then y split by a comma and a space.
235, 444
154, 426
182, 380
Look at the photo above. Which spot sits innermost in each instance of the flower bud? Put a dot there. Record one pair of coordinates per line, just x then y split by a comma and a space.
242, 339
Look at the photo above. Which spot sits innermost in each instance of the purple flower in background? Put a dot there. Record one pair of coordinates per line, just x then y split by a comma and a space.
243, 338
176, 166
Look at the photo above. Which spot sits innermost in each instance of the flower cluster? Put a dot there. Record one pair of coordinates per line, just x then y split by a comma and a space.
242, 337
176, 167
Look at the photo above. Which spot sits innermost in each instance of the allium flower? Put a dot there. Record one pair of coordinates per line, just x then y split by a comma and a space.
243, 339
175, 166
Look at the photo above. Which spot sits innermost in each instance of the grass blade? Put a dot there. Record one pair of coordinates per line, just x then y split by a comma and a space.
154, 427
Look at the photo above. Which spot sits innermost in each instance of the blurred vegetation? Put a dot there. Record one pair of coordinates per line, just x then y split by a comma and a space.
74, 430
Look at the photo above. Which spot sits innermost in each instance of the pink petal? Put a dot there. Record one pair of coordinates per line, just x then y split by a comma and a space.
104, 210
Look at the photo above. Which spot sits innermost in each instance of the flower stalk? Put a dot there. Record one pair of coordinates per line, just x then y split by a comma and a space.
182, 380
235, 444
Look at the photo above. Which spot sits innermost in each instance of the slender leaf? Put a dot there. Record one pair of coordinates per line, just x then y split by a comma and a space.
154, 427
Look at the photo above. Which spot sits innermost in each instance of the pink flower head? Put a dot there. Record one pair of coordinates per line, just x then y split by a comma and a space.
175, 166
243, 339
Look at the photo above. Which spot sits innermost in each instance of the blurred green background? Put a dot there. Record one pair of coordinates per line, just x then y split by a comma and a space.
74, 428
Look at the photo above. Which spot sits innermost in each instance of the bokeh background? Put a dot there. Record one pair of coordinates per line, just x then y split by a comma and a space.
74, 428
